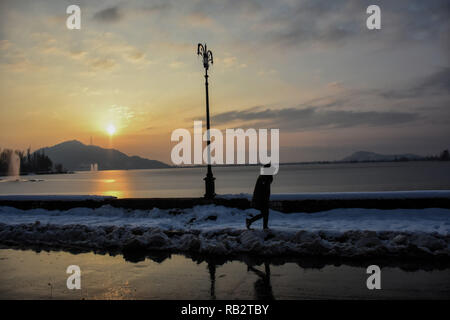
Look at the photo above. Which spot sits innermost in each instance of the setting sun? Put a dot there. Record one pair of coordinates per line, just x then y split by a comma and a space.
111, 129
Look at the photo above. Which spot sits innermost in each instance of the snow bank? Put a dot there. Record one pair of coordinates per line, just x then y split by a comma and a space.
227, 242
422, 194
220, 230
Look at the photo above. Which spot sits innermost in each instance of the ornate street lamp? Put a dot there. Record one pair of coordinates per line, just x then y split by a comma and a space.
209, 179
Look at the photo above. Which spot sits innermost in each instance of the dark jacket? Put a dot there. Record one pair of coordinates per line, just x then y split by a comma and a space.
261, 194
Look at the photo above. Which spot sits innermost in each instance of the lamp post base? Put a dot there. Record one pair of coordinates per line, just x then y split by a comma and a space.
209, 186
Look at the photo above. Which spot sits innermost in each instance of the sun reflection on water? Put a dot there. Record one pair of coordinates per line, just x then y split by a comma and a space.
112, 183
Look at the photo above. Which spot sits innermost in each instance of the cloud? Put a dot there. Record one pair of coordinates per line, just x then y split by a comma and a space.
109, 15
334, 22
122, 112
176, 64
436, 83
295, 119
198, 19
5, 44
229, 61
102, 64
134, 55
15, 59
153, 9
116, 13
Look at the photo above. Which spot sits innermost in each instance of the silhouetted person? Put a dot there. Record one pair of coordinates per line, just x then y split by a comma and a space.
260, 200
263, 287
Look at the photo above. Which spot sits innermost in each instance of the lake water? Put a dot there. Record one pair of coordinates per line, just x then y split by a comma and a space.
188, 182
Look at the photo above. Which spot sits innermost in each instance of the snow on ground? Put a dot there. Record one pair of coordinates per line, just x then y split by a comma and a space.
421, 194
212, 229
211, 217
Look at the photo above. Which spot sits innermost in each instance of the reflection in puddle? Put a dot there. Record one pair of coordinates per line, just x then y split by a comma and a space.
124, 292
263, 288
28, 274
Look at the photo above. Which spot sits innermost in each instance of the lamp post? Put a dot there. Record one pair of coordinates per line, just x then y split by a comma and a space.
209, 179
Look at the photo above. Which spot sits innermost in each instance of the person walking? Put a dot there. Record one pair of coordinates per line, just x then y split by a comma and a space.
260, 200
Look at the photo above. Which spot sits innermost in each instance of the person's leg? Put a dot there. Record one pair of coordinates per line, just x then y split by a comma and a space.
257, 217
265, 214
253, 219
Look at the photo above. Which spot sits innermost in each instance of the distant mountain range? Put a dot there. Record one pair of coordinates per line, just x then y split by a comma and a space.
74, 155
364, 156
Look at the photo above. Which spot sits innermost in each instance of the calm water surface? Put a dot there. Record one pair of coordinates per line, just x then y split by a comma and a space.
188, 182
42, 275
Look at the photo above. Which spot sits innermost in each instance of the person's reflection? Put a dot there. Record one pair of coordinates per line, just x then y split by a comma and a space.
212, 277
263, 288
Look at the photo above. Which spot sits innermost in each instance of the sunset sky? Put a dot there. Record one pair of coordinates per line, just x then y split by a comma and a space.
310, 68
